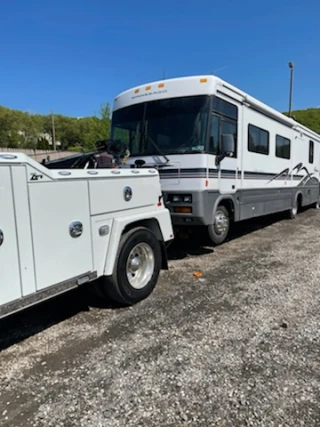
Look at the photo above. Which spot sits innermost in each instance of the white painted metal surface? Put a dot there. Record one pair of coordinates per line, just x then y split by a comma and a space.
66, 225
122, 221
9, 260
199, 172
54, 206
144, 193
101, 226
23, 224
170, 88
267, 118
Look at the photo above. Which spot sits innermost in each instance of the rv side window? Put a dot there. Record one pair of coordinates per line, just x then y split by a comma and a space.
258, 140
311, 151
283, 147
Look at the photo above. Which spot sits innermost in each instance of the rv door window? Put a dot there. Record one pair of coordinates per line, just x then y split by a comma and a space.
224, 120
214, 135
224, 108
230, 128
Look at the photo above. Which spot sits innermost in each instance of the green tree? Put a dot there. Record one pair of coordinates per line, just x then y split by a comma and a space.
23, 130
105, 111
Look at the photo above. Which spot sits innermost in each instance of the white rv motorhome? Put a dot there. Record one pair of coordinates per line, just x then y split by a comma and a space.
222, 155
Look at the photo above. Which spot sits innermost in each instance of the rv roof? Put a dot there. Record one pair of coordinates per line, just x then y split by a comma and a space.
200, 85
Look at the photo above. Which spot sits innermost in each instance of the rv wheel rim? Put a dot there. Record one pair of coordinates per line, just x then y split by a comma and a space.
221, 222
295, 208
140, 265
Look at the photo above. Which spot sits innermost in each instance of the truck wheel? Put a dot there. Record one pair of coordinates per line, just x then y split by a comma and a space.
218, 231
137, 267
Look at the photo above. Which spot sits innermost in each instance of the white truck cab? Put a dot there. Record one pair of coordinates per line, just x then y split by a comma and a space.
62, 228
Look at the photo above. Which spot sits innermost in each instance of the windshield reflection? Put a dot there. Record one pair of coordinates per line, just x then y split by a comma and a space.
169, 126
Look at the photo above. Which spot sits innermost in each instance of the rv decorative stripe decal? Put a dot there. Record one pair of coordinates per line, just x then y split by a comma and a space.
229, 174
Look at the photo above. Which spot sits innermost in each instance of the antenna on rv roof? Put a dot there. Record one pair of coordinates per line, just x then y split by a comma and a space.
219, 69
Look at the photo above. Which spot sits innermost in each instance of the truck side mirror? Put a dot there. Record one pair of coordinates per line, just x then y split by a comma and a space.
227, 147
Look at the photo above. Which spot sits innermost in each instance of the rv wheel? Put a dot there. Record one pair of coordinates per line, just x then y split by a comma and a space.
218, 231
137, 267
316, 205
294, 210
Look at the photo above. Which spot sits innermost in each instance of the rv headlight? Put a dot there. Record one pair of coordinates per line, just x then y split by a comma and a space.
176, 198
187, 198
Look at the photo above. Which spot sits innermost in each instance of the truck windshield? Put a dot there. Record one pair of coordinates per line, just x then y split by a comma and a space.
169, 126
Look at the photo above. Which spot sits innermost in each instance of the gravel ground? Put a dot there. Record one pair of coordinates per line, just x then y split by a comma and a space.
238, 347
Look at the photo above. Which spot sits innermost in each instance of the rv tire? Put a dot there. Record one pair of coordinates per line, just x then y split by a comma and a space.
294, 210
219, 230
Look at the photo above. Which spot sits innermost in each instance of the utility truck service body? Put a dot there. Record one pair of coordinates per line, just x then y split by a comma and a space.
62, 228
222, 155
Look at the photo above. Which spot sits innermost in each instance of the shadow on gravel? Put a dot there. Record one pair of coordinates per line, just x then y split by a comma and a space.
31, 321
198, 243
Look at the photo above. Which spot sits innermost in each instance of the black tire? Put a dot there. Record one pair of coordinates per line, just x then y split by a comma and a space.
118, 287
215, 236
293, 212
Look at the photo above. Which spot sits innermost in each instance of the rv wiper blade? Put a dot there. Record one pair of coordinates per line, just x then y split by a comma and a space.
157, 148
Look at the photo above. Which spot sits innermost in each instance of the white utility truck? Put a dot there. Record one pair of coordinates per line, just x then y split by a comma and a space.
60, 229
222, 155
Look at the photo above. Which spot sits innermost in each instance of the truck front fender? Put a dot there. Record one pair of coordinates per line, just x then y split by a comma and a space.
158, 221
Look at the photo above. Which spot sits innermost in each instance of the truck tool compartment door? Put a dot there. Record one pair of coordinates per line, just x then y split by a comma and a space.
10, 286
55, 206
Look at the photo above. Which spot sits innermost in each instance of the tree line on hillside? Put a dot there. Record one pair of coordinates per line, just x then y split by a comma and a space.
23, 130
309, 118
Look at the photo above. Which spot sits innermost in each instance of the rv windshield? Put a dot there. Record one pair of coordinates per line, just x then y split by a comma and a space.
169, 126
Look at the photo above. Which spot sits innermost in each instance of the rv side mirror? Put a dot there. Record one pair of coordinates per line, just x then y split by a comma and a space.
227, 144
227, 147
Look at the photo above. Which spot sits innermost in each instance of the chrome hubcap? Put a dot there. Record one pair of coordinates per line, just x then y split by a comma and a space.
220, 222
140, 265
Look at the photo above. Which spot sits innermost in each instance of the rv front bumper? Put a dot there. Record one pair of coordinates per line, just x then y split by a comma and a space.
190, 208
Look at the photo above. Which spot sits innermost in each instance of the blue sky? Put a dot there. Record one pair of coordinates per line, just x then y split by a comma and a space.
72, 56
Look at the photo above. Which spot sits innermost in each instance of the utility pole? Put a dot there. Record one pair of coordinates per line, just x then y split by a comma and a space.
291, 66
53, 132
